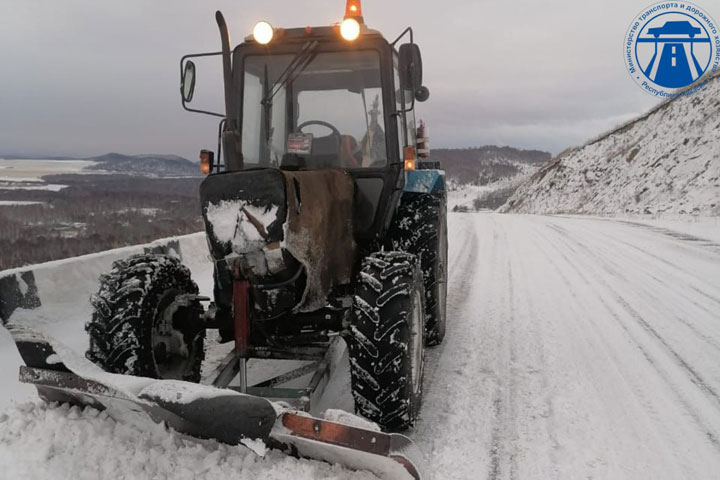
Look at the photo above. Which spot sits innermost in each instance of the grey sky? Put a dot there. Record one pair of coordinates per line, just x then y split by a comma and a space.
84, 77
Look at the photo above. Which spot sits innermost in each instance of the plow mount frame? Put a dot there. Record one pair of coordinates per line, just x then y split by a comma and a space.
324, 362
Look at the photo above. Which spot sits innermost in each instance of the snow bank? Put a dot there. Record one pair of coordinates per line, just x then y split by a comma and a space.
667, 161
39, 441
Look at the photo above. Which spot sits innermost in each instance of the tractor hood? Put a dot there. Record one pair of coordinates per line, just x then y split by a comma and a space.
268, 224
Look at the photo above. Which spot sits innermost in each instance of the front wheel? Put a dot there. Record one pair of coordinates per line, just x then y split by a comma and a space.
386, 340
145, 320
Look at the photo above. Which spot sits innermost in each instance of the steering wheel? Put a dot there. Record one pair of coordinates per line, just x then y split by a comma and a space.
334, 130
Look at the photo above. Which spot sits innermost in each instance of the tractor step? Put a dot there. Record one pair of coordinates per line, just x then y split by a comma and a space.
212, 413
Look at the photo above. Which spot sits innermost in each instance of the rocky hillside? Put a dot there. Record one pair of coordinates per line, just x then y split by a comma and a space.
488, 164
153, 165
666, 161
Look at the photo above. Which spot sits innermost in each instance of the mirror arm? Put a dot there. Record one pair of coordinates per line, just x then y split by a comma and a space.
182, 73
408, 29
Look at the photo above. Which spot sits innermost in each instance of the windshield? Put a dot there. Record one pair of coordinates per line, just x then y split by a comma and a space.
323, 112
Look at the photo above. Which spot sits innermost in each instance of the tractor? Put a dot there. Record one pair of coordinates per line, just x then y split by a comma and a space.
326, 225
322, 220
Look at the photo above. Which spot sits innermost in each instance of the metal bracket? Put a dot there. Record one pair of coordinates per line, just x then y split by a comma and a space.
300, 398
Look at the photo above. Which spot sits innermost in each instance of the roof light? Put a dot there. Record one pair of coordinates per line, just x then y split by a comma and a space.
263, 33
350, 29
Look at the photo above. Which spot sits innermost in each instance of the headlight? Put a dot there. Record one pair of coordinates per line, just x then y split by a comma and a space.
350, 29
263, 33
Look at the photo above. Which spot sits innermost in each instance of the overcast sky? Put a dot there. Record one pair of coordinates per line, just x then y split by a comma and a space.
84, 77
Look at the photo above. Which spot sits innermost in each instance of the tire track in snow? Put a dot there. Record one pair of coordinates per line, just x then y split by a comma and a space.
692, 410
537, 386
694, 376
459, 289
503, 440
709, 255
614, 266
645, 430
461, 394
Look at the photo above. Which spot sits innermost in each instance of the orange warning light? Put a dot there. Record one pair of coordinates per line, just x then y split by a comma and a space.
206, 161
353, 9
409, 158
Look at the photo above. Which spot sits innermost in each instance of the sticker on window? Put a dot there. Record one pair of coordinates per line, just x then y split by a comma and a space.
300, 143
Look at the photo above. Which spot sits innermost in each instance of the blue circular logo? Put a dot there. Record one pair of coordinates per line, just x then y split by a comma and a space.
670, 46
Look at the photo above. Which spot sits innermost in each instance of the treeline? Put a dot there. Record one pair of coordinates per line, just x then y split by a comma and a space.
94, 213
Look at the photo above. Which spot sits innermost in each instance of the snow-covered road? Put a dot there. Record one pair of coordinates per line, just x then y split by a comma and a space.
576, 348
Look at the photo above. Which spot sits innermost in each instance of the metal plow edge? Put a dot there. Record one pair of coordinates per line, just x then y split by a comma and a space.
213, 413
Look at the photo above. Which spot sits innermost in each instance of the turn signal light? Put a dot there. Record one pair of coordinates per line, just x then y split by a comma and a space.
409, 160
206, 161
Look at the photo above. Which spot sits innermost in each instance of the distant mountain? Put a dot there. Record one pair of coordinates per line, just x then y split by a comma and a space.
666, 161
153, 164
22, 156
488, 164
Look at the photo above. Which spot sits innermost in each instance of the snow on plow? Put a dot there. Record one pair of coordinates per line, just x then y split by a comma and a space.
210, 413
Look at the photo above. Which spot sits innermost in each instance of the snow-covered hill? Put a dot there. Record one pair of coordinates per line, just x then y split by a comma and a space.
666, 161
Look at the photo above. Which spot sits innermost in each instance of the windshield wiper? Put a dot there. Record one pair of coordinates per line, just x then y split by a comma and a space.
294, 68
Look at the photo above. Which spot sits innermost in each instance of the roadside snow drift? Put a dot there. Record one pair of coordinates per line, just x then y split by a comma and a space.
39, 441
667, 161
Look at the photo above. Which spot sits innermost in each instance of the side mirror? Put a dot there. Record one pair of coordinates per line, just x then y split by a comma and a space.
422, 94
187, 86
410, 66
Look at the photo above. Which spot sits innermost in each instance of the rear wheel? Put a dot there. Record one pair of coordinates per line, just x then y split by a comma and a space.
145, 320
420, 228
386, 340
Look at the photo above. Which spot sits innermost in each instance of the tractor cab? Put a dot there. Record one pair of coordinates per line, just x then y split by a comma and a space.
315, 98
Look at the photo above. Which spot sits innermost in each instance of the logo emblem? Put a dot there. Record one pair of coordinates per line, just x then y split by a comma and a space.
670, 46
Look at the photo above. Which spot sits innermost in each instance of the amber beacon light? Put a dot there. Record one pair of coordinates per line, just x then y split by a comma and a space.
350, 26
353, 9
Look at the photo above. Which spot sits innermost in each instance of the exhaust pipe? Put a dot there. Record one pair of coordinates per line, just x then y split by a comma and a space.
231, 134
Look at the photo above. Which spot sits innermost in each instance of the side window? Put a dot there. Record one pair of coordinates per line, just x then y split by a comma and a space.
411, 129
400, 105
404, 101
251, 114
278, 135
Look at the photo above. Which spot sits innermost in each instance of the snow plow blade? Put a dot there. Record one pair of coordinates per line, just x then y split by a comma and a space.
211, 413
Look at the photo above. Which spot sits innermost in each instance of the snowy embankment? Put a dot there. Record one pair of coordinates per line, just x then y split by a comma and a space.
665, 162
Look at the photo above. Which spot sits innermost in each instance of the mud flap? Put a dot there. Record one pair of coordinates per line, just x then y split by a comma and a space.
211, 413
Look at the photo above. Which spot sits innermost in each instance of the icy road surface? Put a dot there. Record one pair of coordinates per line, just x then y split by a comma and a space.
576, 348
